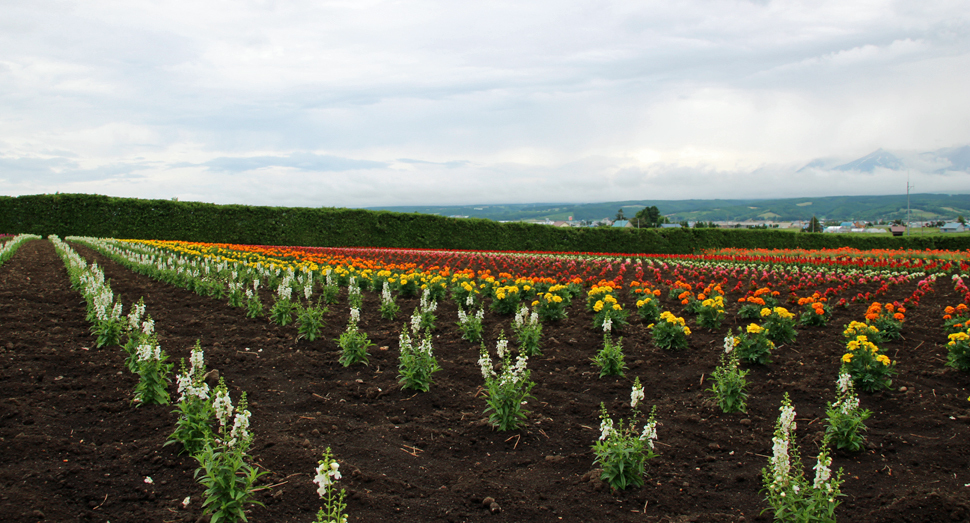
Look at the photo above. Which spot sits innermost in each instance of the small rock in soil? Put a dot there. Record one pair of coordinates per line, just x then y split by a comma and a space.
495, 508
487, 502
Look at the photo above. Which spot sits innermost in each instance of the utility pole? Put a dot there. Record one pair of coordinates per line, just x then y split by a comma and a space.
908, 187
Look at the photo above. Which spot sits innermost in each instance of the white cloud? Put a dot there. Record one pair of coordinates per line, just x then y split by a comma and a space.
378, 102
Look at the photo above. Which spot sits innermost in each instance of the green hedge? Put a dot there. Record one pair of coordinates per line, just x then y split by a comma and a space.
103, 216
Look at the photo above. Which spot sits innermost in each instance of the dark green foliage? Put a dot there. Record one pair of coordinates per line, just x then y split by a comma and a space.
103, 216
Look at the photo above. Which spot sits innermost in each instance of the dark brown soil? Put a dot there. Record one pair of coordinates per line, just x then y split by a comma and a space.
74, 448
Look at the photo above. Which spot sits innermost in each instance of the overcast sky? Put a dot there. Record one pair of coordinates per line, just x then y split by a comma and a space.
365, 103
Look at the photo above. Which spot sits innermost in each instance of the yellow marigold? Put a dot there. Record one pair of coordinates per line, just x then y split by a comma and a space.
847, 357
754, 328
765, 312
783, 312
650, 326
598, 306
500, 295
959, 336
686, 331
535, 303
616, 307
609, 298
557, 298
882, 358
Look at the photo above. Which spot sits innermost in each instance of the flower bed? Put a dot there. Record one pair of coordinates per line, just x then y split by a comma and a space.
75, 448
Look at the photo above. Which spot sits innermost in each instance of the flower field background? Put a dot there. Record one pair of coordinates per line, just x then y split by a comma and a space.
74, 448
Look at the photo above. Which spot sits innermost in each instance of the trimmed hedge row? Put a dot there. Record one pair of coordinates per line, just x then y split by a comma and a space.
103, 216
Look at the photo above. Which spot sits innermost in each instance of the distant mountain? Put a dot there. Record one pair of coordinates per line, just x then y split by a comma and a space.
869, 163
938, 161
835, 208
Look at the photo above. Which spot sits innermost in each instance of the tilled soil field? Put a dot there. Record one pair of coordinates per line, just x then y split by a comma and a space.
74, 448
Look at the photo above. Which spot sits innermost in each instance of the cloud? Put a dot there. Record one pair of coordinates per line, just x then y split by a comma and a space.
301, 161
374, 102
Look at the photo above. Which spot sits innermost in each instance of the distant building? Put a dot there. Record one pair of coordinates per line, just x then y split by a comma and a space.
897, 230
560, 224
670, 226
622, 223
953, 227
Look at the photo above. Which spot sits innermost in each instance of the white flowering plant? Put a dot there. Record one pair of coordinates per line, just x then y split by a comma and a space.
108, 325
354, 298
528, 331
329, 292
423, 317
846, 420
194, 410
506, 392
140, 330
389, 307
254, 307
470, 325
729, 380
791, 496
622, 449
153, 371
224, 463
235, 291
334, 505
610, 358
281, 313
353, 342
417, 363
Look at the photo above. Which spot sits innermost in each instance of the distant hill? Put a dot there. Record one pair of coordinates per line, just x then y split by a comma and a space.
837, 208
